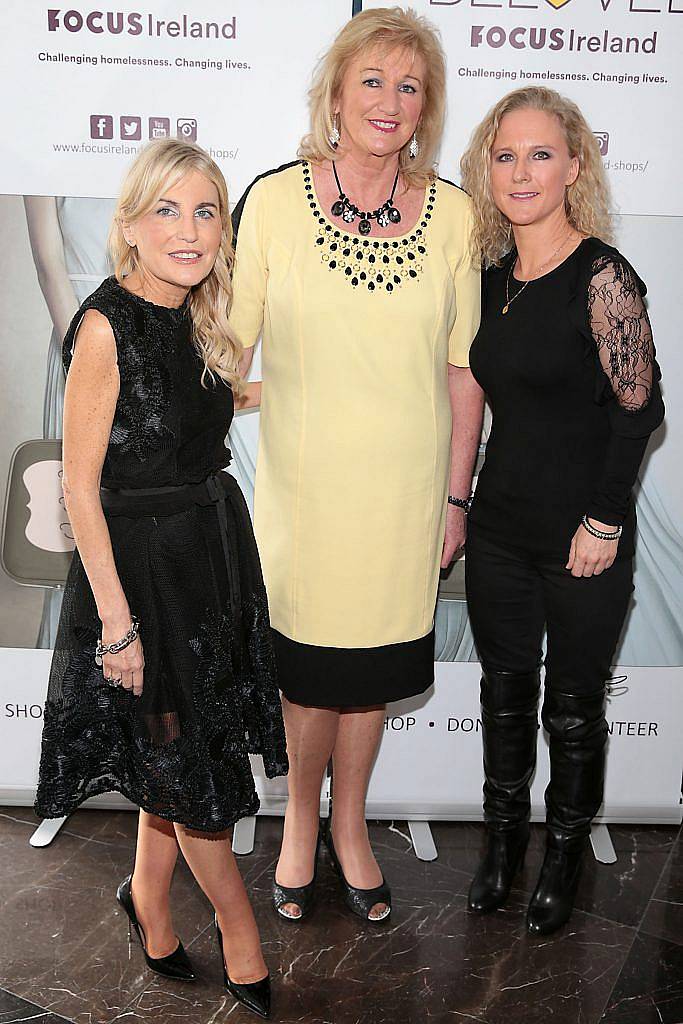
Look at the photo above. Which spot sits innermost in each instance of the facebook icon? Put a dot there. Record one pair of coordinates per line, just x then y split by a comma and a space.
101, 126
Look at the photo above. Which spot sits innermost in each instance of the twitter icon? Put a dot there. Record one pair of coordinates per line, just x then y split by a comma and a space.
131, 128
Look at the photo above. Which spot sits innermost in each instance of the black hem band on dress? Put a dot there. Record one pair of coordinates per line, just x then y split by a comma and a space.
332, 677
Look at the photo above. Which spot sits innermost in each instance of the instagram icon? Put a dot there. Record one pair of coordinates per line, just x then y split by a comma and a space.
603, 142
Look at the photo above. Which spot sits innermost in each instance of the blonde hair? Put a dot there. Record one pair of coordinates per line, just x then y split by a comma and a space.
392, 28
159, 166
587, 201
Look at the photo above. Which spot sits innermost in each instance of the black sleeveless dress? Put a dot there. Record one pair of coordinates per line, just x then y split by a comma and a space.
187, 560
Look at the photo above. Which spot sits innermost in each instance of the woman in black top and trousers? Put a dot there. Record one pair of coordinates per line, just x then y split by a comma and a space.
565, 355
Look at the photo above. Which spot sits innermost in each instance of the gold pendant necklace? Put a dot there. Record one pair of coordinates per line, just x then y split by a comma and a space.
508, 300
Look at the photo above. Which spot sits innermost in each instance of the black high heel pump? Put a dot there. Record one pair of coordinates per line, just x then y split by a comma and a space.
359, 901
176, 965
302, 895
255, 995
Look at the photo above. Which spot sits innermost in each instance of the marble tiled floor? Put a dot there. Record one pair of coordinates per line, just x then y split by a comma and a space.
64, 954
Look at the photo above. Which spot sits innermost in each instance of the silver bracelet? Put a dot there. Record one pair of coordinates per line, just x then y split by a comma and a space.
600, 534
118, 645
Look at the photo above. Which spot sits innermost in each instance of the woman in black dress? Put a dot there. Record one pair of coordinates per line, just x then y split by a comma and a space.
166, 581
565, 355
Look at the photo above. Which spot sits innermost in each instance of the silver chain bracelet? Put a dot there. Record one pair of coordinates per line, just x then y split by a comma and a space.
600, 534
118, 645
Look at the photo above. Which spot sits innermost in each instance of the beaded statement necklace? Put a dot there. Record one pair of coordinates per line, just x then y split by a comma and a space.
343, 207
374, 265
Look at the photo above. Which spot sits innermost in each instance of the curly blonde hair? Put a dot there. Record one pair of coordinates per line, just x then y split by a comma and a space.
587, 201
159, 166
393, 29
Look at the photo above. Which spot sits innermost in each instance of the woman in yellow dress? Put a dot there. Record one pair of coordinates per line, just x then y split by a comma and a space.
354, 263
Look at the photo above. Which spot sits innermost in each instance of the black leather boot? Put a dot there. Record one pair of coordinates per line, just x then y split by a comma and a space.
553, 899
509, 714
502, 861
577, 733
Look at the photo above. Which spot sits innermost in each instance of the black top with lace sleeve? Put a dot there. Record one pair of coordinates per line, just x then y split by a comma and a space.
571, 375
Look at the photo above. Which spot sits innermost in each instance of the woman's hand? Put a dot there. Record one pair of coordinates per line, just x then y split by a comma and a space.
589, 555
126, 667
250, 398
456, 531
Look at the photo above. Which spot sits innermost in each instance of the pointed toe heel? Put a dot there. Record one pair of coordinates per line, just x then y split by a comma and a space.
360, 901
177, 965
255, 996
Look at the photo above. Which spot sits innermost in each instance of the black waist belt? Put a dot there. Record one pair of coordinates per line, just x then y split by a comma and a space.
216, 490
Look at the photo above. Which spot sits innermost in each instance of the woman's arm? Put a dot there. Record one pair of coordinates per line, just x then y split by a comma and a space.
92, 389
47, 246
251, 397
621, 331
467, 398
467, 410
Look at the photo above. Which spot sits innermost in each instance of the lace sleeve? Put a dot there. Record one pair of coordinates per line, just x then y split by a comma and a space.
621, 331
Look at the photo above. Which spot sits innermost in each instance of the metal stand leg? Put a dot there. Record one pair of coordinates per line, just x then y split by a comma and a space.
243, 836
46, 831
603, 848
423, 840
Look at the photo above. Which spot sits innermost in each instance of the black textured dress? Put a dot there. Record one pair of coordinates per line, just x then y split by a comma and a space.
187, 560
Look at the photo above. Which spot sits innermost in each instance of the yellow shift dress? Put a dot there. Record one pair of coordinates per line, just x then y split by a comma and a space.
354, 452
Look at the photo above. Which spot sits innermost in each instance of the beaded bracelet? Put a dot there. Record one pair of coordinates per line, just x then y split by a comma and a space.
463, 503
118, 645
600, 534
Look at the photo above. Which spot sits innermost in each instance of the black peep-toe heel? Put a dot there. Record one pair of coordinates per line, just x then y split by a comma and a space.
302, 895
176, 965
360, 901
255, 995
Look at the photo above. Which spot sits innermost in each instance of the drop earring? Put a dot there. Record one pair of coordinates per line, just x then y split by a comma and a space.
414, 147
335, 134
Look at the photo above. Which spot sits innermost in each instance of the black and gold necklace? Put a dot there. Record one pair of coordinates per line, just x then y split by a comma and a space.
385, 214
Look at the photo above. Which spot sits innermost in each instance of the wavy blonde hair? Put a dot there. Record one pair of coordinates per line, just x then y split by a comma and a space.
159, 166
587, 201
390, 28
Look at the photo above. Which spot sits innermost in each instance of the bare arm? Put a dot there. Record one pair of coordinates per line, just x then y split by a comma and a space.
251, 397
92, 389
467, 410
47, 246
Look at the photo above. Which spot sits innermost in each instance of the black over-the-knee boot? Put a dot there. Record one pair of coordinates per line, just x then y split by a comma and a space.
577, 732
509, 715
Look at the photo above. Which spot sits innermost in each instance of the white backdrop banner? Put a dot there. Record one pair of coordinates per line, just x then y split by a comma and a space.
429, 764
430, 760
620, 60
96, 84
90, 86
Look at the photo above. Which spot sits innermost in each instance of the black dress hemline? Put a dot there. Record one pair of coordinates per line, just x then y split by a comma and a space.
331, 677
96, 789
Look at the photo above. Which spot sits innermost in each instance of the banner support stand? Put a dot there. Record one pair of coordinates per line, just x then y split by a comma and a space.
46, 831
603, 847
423, 840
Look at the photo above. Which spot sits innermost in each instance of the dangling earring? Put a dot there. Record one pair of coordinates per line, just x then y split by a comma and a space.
334, 135
414, 147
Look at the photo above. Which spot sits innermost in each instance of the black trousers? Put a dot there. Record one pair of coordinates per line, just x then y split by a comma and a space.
512, 596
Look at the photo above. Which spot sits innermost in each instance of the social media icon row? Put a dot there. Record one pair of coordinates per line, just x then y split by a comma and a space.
130, 128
